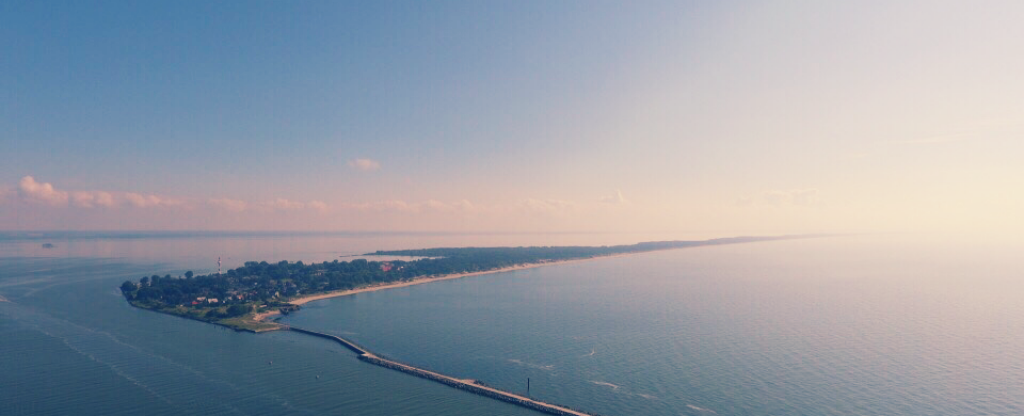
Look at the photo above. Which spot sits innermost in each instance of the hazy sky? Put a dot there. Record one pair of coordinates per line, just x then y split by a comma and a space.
708, 117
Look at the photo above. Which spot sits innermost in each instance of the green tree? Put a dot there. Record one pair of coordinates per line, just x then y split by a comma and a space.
238, 310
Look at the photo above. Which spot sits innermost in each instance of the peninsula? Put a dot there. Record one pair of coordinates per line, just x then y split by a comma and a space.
242, 298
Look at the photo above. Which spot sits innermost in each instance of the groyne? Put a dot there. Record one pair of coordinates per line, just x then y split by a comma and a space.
344, 342
461, 384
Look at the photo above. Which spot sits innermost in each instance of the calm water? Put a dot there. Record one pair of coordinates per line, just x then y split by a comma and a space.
846, 326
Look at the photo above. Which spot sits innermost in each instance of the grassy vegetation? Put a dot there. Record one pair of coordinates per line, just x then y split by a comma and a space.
214, 315
246, 323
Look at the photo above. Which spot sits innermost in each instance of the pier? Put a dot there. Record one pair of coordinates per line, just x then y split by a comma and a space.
471, 386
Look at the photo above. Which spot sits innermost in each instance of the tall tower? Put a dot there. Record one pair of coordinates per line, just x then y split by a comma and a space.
218, 265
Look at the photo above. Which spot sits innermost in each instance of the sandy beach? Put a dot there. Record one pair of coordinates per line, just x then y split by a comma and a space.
422, 280
302, 300
260, 317
417, 281
264, 315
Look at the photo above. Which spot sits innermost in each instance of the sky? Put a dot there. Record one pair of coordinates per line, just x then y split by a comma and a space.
715, 118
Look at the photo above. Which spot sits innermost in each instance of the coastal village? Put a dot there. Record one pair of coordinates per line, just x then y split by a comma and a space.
238, 297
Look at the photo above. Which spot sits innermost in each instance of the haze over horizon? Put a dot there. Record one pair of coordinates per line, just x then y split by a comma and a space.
707, 118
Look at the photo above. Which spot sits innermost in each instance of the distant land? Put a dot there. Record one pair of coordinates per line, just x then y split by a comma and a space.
242, 298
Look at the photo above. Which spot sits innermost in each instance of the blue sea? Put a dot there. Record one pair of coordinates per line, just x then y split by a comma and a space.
876, 325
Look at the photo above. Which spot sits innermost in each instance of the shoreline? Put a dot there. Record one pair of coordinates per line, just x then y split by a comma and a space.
256, 323
302, 300
260, 321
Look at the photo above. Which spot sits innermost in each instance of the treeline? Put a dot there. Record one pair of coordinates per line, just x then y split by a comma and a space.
256, 282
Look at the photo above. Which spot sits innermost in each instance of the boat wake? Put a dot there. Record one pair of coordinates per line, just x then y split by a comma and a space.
532, 365
701, 409
606, 384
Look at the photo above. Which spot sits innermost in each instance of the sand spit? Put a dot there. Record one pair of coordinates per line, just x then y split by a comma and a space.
422, 280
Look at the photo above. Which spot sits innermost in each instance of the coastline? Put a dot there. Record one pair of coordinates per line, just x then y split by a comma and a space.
261, 317
259, 321
256, 322
302, 300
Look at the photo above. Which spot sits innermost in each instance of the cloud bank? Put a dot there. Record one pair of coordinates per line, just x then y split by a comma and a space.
31, 190
147, 201
142, 209
86, 199
228, 204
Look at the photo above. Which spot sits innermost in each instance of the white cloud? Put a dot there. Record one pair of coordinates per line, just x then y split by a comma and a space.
147, 201
318, 206
227, 204
464, 205
546, 206
365, 165
104, 199
384, 206
276, 205
281, 204
804, 197
29, 190
33, 191
86, 199
615, 198
395, 205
